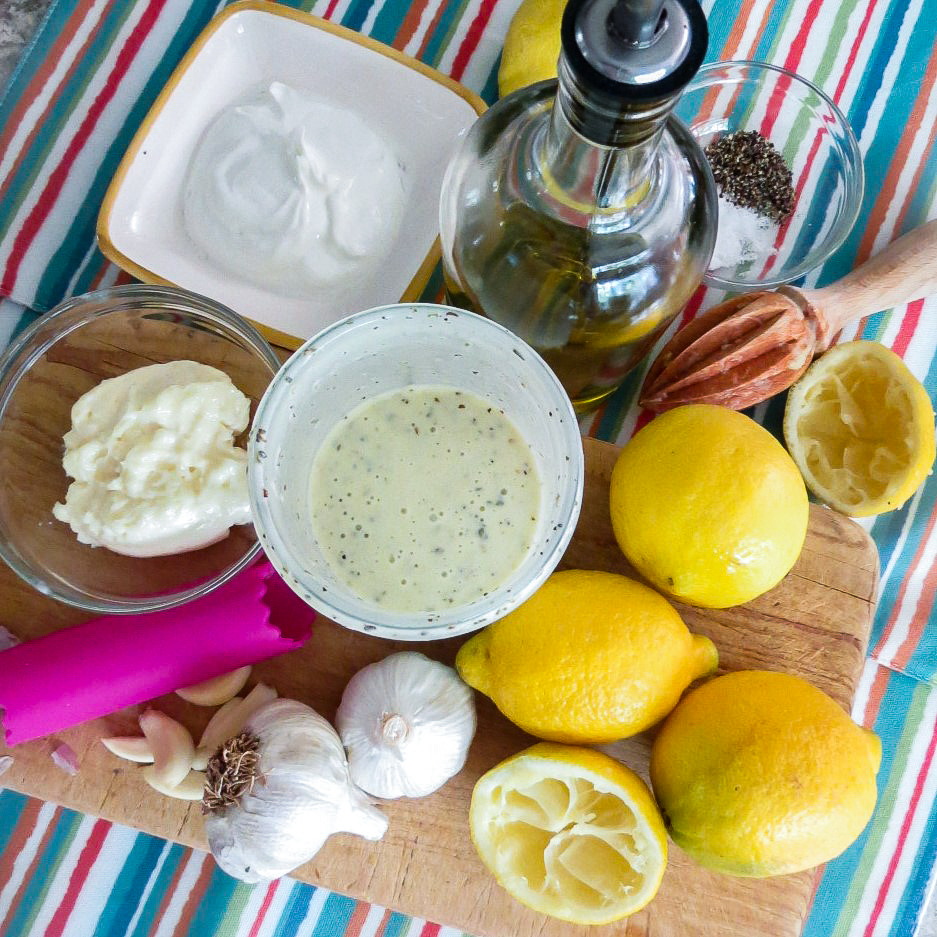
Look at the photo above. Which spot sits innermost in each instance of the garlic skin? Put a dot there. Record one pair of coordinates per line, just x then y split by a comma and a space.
407, 723
302, 795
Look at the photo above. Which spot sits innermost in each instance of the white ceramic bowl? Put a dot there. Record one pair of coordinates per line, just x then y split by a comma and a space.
376, 352
418, 112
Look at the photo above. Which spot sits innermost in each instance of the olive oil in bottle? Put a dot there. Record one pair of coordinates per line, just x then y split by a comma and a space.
578, 213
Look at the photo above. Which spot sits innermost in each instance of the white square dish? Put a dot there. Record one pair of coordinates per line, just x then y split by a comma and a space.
418, 112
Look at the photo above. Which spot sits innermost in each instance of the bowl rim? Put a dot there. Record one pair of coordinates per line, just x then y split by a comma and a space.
262, 10
425, 631
853, 162
16, 361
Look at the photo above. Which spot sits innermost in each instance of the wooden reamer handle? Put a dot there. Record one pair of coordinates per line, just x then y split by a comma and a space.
905, 270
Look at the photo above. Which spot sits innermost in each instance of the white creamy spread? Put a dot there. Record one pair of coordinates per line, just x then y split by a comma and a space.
154, 463
424, 498
291, 192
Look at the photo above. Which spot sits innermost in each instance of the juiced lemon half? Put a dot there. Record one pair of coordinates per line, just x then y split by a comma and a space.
570, 832
860, 427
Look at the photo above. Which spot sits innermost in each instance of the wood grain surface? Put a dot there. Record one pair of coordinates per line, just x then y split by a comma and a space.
815, 623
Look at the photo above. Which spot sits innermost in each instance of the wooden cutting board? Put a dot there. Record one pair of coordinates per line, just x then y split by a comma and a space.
815, 623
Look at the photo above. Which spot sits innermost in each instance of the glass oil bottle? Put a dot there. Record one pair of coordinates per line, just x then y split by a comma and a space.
579, 213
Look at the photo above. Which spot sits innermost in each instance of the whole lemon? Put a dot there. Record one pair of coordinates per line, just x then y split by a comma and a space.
761, 773
707, 505
590, 657
532, 45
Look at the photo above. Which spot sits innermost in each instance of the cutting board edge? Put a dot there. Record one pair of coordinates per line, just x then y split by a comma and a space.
181, 824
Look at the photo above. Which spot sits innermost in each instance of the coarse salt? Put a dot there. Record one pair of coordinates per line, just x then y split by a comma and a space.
743, 236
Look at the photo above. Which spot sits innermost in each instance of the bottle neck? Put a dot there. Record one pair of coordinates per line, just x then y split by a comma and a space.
608, 118
612, 172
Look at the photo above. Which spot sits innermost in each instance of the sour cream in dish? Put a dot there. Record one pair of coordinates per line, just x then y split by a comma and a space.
292, 193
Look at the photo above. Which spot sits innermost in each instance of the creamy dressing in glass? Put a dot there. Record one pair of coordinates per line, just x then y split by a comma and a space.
424, 498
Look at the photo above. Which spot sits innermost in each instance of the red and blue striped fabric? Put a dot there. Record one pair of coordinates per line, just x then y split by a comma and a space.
65, 120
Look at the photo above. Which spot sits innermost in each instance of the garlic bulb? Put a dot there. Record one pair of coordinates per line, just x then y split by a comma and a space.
275, 793
407, 723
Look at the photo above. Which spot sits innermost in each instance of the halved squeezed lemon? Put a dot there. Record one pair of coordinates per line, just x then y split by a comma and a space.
860, 427
570, 832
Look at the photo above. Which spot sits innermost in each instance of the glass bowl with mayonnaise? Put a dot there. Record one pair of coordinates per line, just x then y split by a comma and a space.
124, 416
415, 471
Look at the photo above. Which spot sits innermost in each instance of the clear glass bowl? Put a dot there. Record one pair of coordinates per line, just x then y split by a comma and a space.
376, 352
817, 143
64, 354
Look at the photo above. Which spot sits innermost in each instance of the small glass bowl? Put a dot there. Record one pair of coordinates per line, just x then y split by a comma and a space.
817, 143
64, 354
376, 352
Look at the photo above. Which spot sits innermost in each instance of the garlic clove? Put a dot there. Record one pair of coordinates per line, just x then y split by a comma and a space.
201, 758
215, 733
191, 787
259, 696
217, 690
172, 747
130, 747
229, 721
362, 818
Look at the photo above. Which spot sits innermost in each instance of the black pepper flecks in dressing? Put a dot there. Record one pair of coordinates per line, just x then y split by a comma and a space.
424, 498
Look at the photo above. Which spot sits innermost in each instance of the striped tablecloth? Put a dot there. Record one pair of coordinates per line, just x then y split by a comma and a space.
66, 118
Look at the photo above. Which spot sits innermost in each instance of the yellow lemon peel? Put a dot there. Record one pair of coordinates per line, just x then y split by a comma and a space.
531, 45
708, 507
591, 657
760, 773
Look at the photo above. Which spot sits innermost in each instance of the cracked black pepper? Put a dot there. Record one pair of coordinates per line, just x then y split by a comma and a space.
751, 173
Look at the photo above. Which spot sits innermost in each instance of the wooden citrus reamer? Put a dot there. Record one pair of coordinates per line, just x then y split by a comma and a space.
753, 346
